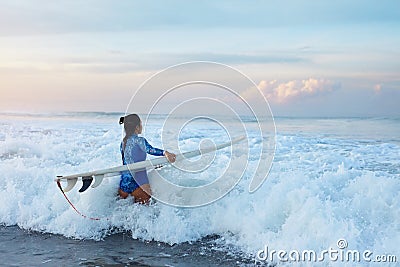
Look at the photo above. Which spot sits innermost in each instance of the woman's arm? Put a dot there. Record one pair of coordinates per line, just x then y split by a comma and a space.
156, 151
150, 149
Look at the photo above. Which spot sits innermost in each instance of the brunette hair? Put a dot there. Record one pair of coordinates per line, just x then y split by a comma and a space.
130, 122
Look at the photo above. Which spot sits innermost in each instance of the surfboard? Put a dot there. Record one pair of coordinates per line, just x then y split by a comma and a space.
98, 175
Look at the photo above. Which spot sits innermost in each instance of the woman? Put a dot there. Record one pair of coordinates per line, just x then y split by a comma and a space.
133, 149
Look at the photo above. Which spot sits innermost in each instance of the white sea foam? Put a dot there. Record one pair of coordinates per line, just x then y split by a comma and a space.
322, 187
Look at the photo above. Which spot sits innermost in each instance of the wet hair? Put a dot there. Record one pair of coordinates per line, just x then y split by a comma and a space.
130, 122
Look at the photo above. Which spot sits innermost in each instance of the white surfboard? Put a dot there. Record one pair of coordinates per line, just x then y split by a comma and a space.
98, 175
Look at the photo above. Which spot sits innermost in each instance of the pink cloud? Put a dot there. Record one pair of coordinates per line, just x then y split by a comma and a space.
283, 92
377, 88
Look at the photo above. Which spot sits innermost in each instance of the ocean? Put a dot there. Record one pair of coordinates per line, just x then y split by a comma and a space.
333, 186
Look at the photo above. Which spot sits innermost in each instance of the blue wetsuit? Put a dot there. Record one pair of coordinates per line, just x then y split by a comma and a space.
135, 150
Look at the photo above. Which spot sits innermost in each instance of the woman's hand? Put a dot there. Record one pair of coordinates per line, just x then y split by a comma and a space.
170, 156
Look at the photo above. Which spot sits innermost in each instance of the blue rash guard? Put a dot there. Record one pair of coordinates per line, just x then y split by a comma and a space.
135, 150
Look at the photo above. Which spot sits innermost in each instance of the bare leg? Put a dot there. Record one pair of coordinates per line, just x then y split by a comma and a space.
122, 194
142, 194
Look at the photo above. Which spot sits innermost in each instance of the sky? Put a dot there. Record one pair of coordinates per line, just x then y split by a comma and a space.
308, 58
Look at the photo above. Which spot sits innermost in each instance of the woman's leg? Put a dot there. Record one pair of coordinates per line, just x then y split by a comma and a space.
142, 194
122, 194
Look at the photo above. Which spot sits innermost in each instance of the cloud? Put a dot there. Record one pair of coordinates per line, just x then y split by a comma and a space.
120, 61
281, 92
377, 88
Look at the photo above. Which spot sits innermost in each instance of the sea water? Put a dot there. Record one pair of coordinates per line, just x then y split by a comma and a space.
331, 180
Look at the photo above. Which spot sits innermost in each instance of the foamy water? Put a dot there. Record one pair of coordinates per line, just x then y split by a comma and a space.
330, 179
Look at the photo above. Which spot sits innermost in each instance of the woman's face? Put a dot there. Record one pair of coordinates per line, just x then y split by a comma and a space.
138, 129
